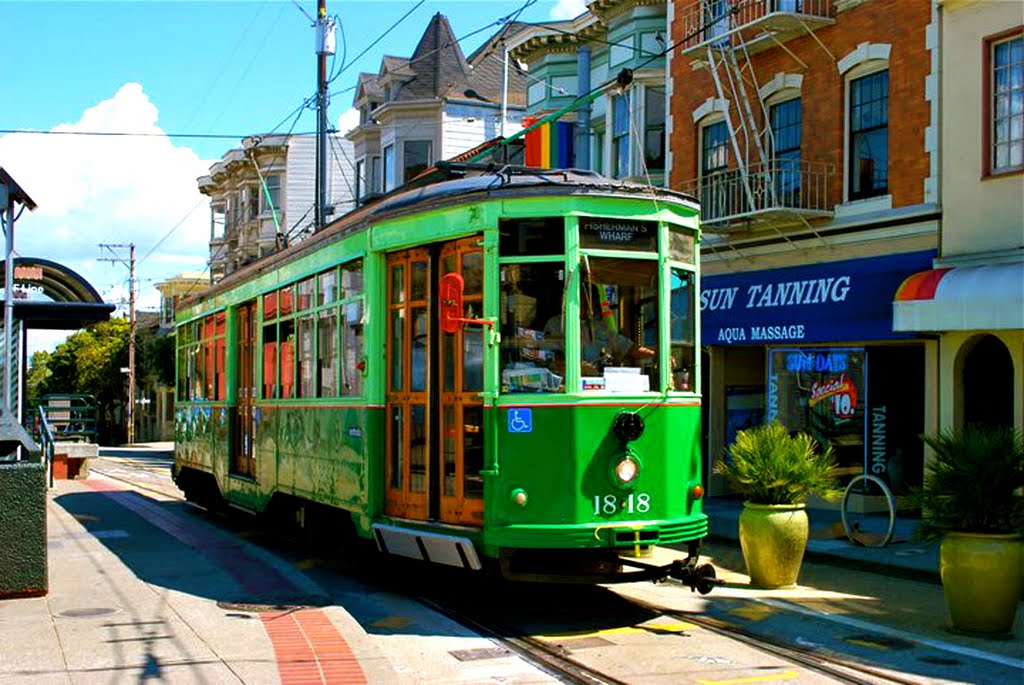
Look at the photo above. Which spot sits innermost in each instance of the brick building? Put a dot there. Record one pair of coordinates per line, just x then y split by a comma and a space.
809, 131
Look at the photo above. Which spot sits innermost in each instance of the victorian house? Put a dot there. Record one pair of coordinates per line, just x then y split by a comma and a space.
262, 196
432, 106
616, 52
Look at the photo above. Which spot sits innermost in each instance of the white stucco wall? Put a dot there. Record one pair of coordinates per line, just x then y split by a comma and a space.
980, 215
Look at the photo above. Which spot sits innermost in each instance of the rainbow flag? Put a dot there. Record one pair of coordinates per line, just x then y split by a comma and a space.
550, 145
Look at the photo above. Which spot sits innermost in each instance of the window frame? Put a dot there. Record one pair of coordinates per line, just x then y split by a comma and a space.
783, 168
655, 127
274, 189
989, 124
389, 167
406, 174
620, 136
852, 78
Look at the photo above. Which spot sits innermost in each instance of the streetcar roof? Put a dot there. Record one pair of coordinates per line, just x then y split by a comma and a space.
475, 181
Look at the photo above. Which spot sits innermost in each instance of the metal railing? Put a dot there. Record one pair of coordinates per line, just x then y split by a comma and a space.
779, 185
707, 21
46, 443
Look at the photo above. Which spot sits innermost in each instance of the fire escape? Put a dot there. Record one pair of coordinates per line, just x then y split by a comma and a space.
762, 185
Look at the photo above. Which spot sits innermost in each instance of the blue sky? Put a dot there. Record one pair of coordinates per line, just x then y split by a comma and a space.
171, 69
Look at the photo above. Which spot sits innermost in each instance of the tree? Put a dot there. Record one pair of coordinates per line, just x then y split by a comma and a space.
89, 361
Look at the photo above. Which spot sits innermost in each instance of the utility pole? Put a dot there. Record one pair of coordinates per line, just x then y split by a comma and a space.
130, 406
325, 45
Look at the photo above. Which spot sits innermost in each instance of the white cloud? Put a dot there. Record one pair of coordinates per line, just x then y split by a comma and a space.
111, 189
568, 9
348, 120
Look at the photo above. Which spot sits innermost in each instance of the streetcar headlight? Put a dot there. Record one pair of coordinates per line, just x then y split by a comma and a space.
627, 470
519, 497
697, 491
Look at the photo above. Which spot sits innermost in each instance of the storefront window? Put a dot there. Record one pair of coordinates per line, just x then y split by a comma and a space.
821, 392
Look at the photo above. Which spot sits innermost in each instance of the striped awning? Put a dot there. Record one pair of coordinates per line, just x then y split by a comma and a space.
963, 298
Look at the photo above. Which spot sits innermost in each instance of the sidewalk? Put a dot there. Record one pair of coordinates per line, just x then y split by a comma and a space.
904, 556
140, 590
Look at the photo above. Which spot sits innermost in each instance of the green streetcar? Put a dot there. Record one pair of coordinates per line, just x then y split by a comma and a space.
497, 369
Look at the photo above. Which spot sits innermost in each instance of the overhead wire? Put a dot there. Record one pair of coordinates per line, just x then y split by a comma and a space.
381, 37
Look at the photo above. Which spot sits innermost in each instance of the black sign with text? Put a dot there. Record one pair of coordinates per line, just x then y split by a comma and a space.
619, 234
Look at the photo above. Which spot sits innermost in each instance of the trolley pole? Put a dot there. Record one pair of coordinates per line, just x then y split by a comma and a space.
130, 405
325, 45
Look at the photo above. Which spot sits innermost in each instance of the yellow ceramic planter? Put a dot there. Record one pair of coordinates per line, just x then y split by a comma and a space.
981, 580
773, 538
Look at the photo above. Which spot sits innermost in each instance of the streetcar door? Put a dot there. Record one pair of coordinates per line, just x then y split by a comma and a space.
461, 361
408, 391
243, 431
434, 440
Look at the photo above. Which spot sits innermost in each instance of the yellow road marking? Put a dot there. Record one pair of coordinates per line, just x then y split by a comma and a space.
866, 643
782, 675
392, 623
754, 612
674, 627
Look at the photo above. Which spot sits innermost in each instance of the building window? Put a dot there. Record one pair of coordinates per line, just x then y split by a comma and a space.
714, 177
716, 21
360, 181
167, 311
869, 136
786, 121
416, 158
620, 136
654, 129
273, 192
389, 167
252, 205
536, 92
1006, 105
621, 51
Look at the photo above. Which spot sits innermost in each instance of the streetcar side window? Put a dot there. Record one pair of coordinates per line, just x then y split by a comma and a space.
682, 328
313, 336
531, 237
201, 362
351, 315
532, 356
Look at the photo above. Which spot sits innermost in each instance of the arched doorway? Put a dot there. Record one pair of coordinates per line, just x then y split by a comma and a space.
987, 382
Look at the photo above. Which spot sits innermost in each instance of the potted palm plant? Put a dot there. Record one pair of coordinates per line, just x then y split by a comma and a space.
969, 500
775, 471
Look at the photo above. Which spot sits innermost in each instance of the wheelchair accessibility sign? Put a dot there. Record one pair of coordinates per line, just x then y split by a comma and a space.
520, 420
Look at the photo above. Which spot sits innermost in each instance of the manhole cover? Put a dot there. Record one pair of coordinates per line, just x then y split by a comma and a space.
87, 612
479, 654
259, 608
583, 642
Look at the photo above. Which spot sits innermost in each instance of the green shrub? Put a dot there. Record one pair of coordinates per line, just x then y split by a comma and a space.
770, 466
969, 483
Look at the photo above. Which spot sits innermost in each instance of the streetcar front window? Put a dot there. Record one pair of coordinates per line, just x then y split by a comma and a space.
619, 329
532, 360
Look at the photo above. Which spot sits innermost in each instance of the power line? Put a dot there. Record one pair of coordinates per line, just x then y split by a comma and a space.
379, 39
131, 134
